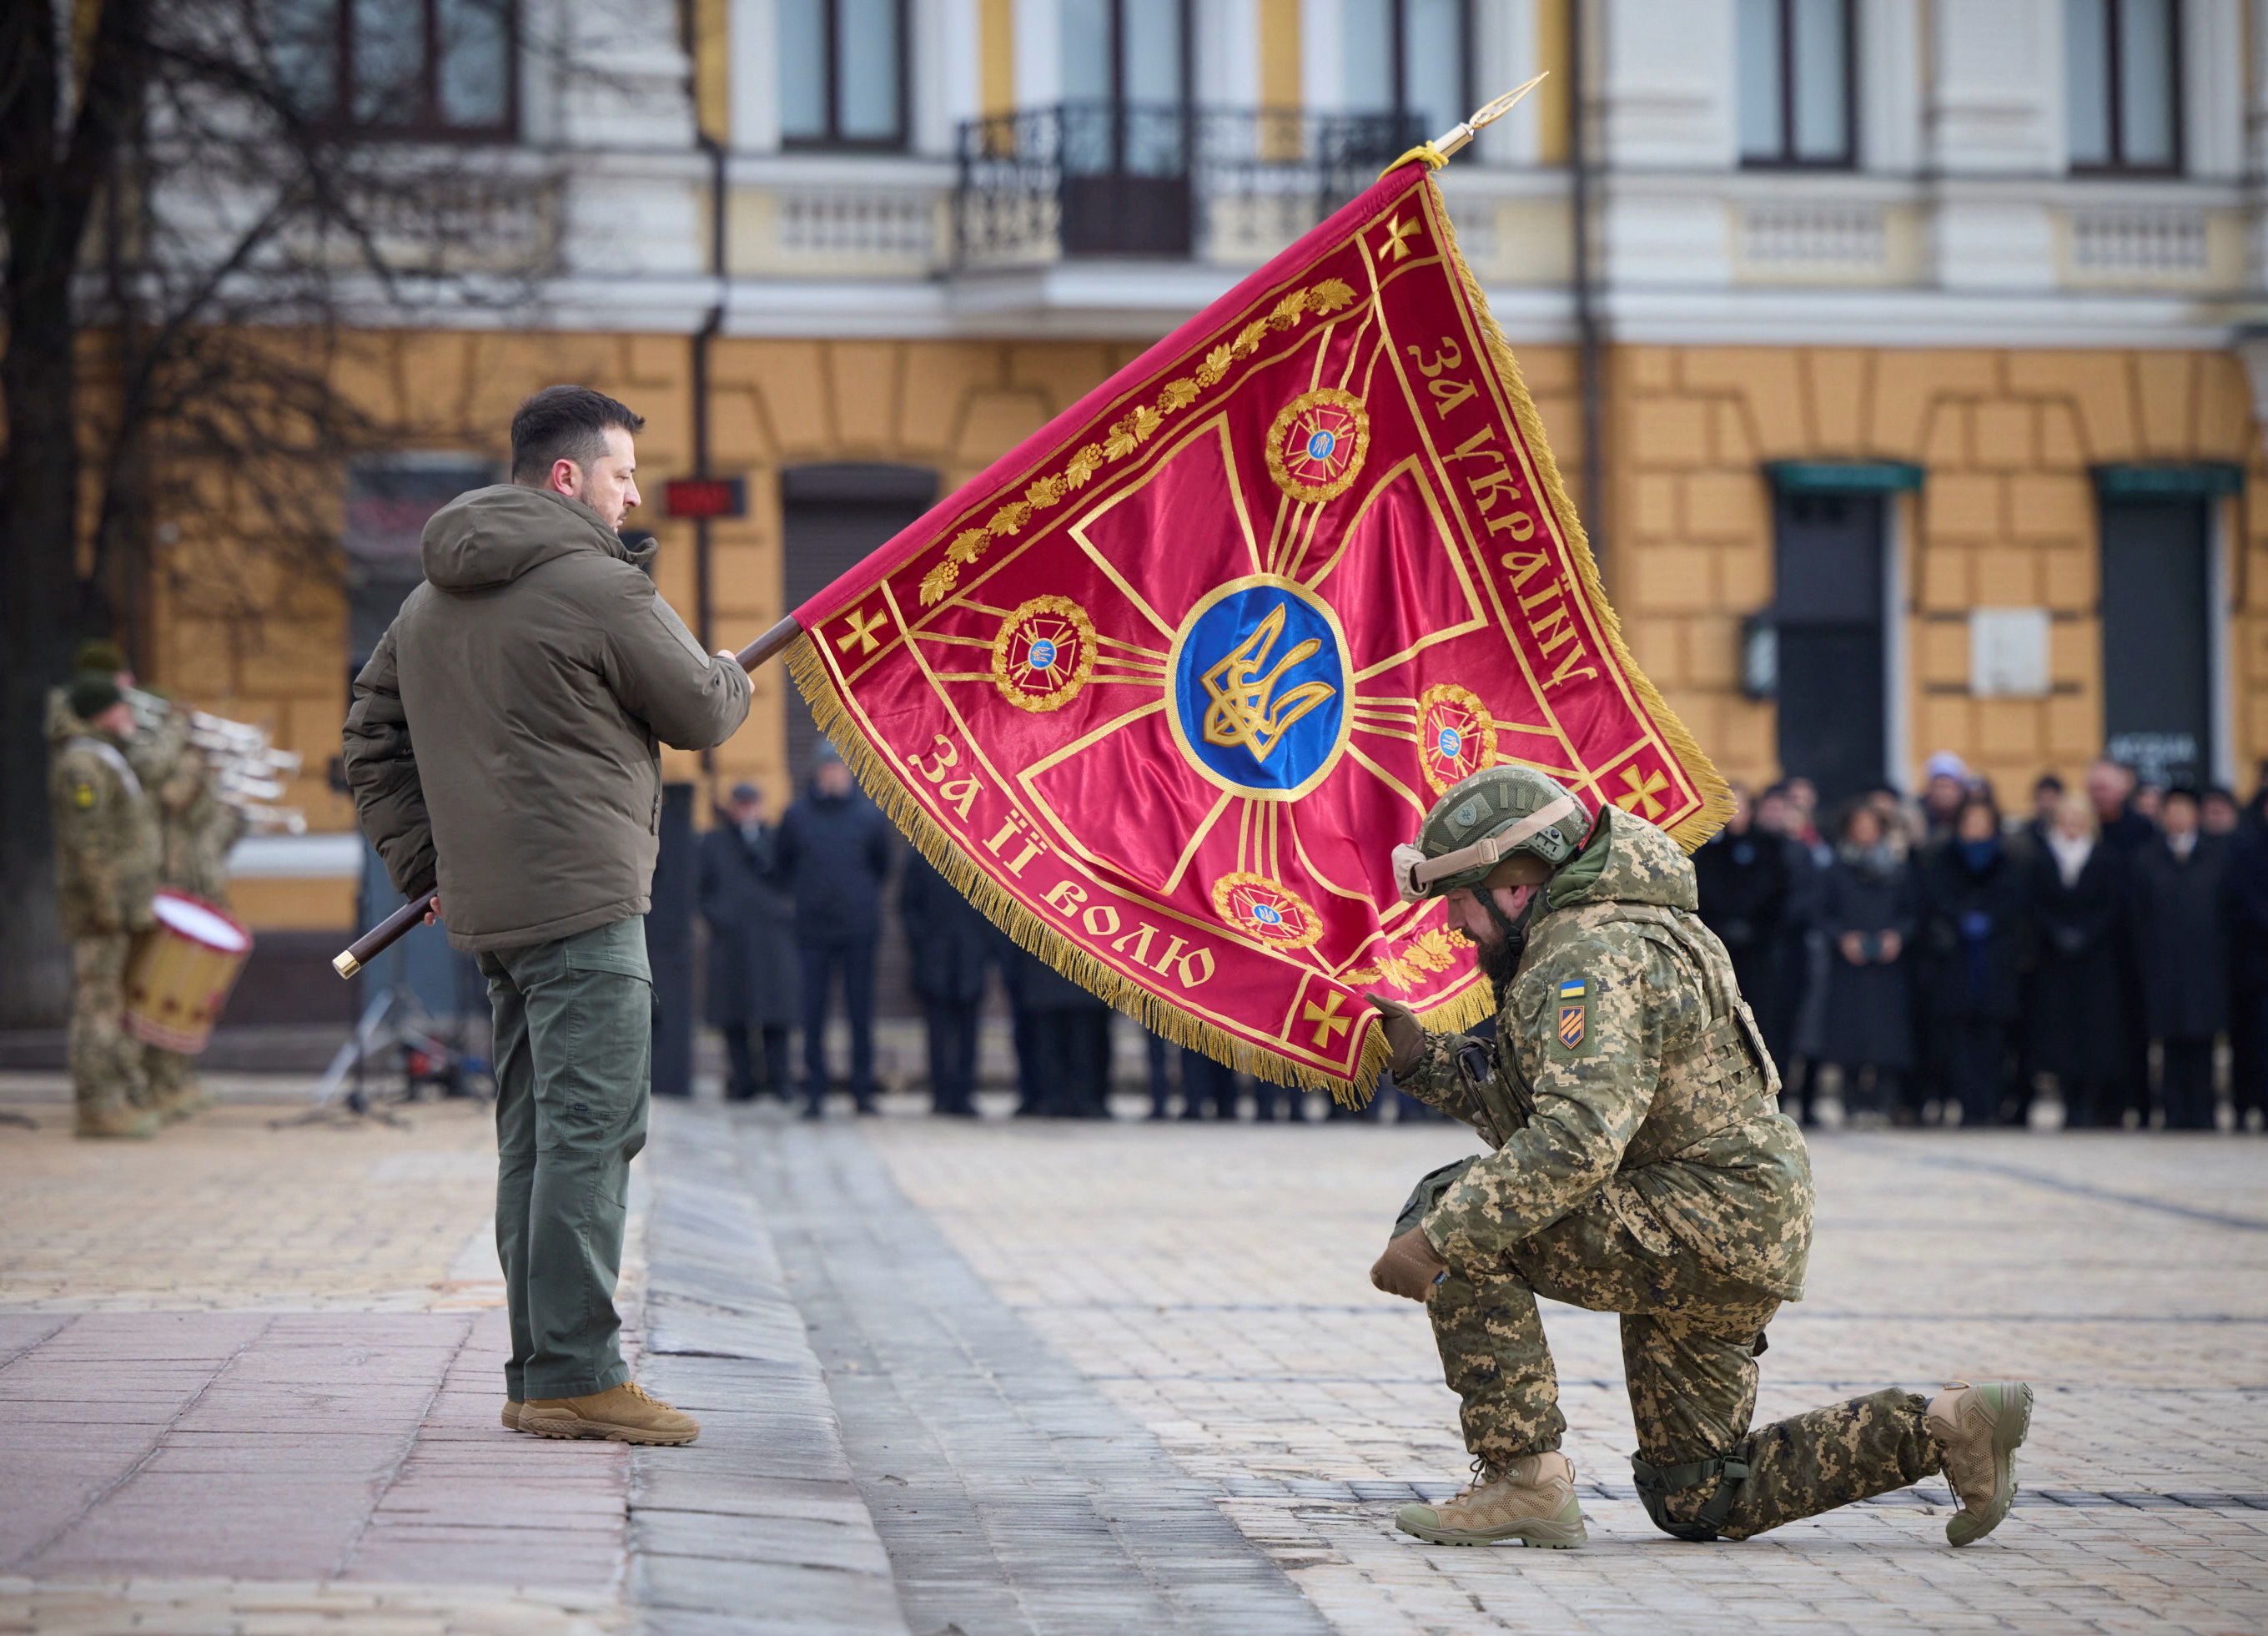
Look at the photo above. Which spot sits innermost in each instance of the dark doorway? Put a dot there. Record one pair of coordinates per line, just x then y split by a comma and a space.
1126, 132
2157, 663
1827, 558
833, 517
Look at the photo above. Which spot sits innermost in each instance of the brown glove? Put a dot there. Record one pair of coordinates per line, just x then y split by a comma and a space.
1403, 1032
1409, 1268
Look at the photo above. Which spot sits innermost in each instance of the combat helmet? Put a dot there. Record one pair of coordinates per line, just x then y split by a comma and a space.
1479, 821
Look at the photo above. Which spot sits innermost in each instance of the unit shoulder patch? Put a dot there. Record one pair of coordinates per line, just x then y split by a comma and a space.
83, 795
1570, 1018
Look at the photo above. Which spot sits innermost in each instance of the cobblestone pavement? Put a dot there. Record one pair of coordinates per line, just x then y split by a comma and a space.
229, 1214
249, 1381
1210, 1281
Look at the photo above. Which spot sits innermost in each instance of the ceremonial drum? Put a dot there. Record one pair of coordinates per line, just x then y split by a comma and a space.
182, 972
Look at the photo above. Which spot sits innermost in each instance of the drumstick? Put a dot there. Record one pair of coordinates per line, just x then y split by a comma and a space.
387, 931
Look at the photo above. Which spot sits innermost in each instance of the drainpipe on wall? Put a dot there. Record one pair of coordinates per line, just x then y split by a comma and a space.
703, 578
1590, 361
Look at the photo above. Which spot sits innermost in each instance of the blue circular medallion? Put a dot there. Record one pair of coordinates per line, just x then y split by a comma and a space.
1259, 687
1043, 655
1449, 742
1320, 444
1267, 914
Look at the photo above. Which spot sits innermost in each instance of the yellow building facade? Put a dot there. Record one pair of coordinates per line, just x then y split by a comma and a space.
1979, 355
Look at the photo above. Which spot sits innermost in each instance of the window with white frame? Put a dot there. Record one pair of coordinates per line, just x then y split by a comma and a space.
2122, 77
843, 73
1798, 101
401, 67
1408, 57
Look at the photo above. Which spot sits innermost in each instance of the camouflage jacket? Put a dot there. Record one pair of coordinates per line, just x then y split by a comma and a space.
199, 829
105, 838
1624, 1067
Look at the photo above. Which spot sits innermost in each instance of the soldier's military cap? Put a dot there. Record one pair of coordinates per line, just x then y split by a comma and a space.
1479, 821
92, 693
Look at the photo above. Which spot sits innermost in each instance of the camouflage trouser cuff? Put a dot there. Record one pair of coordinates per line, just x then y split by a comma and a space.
1656, 1483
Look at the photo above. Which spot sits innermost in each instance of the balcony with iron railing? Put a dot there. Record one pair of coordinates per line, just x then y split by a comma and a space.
1227, 187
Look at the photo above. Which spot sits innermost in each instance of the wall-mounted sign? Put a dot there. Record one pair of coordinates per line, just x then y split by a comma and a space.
705, 497
2008, 652
1760, 657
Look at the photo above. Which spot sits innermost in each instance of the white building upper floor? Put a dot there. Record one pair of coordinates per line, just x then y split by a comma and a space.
1870, 172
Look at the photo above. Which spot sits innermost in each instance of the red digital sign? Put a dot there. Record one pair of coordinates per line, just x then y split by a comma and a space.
705, 497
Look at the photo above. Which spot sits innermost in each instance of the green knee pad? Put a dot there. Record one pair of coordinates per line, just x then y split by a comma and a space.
1656, 1483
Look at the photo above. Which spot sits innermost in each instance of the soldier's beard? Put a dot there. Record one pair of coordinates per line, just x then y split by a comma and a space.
1499, 958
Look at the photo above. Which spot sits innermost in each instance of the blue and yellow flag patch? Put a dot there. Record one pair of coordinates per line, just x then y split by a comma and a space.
1574, 1005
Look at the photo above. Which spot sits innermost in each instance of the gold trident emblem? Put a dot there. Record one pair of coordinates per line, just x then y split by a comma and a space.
1245, 709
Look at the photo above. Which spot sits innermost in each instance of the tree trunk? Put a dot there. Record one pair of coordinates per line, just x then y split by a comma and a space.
38, 614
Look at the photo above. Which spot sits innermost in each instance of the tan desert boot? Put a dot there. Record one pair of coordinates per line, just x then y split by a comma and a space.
122, 1121
621, 1414
185, 1099
1980, 1428
510, 1416
1532, 1500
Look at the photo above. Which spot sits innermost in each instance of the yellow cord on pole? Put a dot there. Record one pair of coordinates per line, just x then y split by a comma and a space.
1436, 153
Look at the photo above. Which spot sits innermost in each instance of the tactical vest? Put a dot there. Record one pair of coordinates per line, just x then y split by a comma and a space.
1718, 1077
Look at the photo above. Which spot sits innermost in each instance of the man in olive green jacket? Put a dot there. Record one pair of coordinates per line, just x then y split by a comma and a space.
504, 747
1641, 1165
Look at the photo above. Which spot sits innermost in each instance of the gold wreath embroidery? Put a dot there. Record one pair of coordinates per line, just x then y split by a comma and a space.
1351, 421
1235, 895
1058, 621
1477, 723
1133, 429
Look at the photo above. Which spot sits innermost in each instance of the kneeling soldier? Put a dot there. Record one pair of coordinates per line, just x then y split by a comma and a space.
1640, 1166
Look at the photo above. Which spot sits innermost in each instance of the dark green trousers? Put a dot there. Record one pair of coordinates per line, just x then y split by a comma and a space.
574, 1039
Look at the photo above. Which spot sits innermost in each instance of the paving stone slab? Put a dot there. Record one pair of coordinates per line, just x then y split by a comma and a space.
1012, 1496
759, 1527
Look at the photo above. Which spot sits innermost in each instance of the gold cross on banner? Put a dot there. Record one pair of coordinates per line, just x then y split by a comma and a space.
1392, 247
1328, 1023
1638, 793
862, 631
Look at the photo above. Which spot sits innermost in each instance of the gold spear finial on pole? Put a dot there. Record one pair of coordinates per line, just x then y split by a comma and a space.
1458, 136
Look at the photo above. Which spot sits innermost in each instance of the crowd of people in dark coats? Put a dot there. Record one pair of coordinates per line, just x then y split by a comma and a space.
1944, 962
1933, 962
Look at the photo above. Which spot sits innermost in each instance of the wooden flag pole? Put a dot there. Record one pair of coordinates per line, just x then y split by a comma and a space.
396, 925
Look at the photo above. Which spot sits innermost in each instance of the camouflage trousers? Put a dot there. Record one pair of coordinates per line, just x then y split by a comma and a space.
1690, 1338
108, 1075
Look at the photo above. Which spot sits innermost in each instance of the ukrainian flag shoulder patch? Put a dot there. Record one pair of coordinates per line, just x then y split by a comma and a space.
1572, 1036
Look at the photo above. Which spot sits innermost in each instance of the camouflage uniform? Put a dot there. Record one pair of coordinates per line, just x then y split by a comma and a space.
1640, 1166
106, 868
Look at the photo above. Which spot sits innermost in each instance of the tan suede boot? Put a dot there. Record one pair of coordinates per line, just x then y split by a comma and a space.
510, 1416
179, 1102
1532, 1500
118, 1121
1980, 1428
621, 1414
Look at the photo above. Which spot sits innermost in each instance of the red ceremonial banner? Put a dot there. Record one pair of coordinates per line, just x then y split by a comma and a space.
1163, 688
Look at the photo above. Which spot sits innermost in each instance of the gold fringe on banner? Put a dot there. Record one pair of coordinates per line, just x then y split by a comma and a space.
1475, 1004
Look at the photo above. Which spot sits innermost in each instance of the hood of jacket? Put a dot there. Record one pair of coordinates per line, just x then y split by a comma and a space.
1627, 860
491, 536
